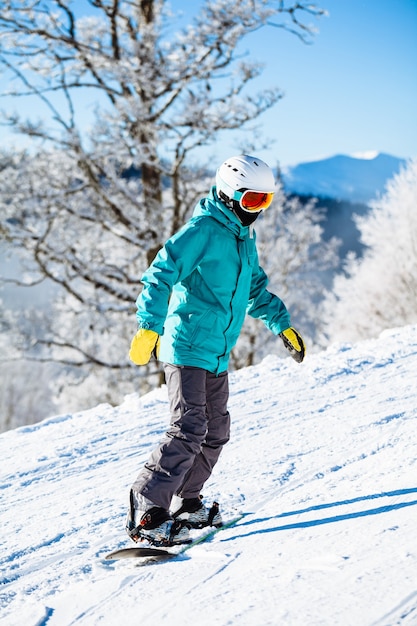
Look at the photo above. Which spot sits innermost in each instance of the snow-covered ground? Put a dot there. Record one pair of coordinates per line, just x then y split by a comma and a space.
322, 462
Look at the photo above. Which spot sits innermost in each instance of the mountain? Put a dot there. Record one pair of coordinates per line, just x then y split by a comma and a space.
343, 177
322, 463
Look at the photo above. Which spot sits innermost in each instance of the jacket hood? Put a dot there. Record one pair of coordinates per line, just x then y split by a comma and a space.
212, 206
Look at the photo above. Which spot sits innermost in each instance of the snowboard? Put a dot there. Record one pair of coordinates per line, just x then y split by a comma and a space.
153, 553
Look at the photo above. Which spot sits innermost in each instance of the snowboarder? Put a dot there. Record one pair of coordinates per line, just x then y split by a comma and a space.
190, 312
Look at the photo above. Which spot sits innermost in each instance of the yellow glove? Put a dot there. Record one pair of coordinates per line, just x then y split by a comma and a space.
294, 344
143, 345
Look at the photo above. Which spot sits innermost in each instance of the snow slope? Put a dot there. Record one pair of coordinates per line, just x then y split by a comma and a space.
322, 462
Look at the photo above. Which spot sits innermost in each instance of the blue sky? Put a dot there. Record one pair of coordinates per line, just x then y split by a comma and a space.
352, 91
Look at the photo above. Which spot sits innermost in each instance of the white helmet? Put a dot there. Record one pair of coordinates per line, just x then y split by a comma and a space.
241, 173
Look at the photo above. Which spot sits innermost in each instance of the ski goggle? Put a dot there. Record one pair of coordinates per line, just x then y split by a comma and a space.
253, 201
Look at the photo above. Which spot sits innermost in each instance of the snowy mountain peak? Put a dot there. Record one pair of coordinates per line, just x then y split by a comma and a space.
367, 155
358, 178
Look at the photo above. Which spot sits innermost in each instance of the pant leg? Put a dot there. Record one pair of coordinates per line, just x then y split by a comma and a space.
218, 434
169, 463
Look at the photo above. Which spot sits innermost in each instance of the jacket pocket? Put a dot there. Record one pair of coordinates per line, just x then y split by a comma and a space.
201, 327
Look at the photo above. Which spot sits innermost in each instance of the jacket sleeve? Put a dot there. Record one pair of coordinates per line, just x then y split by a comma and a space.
178, 258
265, 305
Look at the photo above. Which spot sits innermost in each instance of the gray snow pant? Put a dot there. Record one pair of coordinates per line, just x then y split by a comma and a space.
200, 427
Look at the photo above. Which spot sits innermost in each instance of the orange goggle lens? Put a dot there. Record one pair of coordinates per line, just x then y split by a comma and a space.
255, 200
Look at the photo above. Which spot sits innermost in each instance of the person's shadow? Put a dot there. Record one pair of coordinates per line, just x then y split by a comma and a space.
333, 518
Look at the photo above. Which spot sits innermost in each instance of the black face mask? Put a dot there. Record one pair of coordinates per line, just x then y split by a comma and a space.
245, 217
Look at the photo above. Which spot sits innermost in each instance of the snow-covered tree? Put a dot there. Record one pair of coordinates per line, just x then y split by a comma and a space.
379, 291
87, 208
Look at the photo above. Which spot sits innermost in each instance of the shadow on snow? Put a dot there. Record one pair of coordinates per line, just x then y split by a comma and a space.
334, 518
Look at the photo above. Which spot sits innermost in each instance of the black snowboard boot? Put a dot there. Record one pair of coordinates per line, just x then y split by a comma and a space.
197, 515
155, 524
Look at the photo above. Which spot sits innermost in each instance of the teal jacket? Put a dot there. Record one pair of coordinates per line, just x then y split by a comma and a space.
200, 286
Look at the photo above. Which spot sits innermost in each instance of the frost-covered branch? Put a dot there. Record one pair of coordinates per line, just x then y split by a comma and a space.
379, 291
